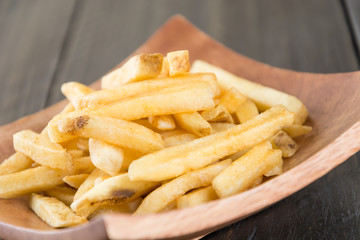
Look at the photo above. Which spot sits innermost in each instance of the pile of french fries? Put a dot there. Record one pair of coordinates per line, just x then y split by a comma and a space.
156, 137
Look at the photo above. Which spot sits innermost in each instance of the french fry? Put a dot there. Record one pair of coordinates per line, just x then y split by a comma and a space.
129, 157
178, 62
264, 97
118, 132
106, 157
168, 192
219, 127
96, 176
111, 208
69, 145
15, 163
54, 134
242, 173
196, 197
177, 139
217, 114
30, 180
106, 96
285, 143
83, 165
83, 143
297, 130
232, 99
169, 207
194, 123
74, 91
190, 97
77, 153
64, 194
277, 170
54, 212
118, 189
164, 69
140, 67
246, 111
174, 161
257, 182
42, 151
75, 181
164, 123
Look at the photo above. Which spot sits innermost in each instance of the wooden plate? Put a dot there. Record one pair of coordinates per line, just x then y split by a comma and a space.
333, 101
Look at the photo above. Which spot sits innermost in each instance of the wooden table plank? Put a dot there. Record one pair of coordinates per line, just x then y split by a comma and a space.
352, 7
31, 37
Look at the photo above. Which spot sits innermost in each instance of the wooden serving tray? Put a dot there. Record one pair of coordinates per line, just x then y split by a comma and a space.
333, 101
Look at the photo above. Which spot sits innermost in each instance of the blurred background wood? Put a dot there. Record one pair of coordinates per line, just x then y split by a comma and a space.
46, 43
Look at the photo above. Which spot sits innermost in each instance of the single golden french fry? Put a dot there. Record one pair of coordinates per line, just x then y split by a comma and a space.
232, 99
30, 180
178, 139
277, 170
96, 176
164, 123
174, 161
41, 150
106, 157
54, 134
111, 208
168, 192
190, 97
139, 67
285, 143
15, 163
83, 165
64, 194
246, 111
118, 189
54, 212
115, 131
264, 97
178, 62
77, 153
217, 114
297, 130
194, 123
219, 126
75, 181
243, 172
74, 91
106, 96
164, 69
196, 197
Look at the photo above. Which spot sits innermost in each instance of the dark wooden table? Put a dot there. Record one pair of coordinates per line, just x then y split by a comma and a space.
46, 43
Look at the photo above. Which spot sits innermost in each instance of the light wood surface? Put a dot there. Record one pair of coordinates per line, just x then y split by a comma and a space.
332, 100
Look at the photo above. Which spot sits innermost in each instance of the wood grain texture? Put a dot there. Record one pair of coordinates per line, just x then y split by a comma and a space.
305, 35
32, 34
323, 153
352, 9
